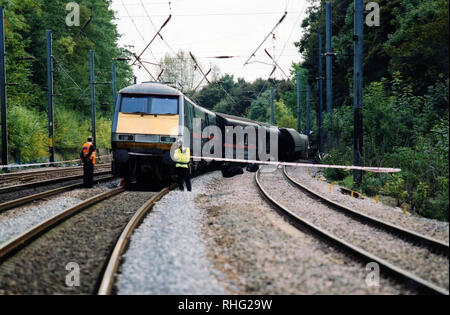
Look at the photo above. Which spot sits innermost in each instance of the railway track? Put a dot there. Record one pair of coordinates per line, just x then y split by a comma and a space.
15, 243
91, 234
47, 193
107, 283
433, 244
404, 276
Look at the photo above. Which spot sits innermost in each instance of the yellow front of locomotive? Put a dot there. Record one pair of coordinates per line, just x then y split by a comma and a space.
146, 124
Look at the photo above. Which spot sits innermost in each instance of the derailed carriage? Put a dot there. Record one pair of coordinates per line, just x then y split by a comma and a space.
149, 118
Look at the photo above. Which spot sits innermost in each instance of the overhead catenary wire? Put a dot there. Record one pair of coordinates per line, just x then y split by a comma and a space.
156, 35
200, 69
136, 27
66, 73
153, 24
145, 68
271, 32
214, 14
293, 28
276, 64
154, 27
198, 85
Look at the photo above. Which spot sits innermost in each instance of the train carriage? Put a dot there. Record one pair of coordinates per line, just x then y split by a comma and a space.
149, 118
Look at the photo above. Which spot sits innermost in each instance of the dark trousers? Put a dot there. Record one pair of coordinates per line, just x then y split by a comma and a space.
183, 177
88, 177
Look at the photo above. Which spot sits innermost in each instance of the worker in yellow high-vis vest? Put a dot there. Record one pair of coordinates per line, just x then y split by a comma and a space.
182, 157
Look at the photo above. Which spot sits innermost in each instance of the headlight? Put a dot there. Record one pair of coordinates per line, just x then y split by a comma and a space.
168, 139
126, 138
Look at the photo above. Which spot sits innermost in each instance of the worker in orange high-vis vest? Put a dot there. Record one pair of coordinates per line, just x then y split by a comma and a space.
88, 156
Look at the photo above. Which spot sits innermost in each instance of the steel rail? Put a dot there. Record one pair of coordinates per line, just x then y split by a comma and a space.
107, 283
35, 173
404, 276
27, 199
434, 244
8, 189
18, 242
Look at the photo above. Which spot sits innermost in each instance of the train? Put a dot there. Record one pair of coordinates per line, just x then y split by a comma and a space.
150, 117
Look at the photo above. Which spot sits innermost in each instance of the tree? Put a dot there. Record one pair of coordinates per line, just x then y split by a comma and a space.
26, 22
182, 70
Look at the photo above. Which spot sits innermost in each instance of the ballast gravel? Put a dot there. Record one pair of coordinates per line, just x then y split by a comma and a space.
167, 253
83, 242
16, 221
260, 253
225, 239
395, 215
28, 177
416, 259
12, 195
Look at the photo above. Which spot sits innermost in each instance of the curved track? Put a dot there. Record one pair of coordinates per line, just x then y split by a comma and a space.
409, 279
431, 243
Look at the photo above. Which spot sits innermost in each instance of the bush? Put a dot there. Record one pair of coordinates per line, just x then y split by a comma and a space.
400, 130
28, 137
336, 158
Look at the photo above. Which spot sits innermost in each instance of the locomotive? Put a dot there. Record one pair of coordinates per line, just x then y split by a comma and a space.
150, 117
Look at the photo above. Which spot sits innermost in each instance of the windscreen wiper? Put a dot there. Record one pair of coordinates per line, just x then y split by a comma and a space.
141, 113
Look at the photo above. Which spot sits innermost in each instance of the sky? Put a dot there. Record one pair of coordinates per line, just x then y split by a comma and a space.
210, 28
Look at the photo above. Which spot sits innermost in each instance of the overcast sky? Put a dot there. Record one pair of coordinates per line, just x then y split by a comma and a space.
212, 28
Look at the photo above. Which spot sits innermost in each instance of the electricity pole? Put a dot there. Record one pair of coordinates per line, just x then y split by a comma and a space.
50, 96
357, 89
272, 110
320, 89
92, 79
114, 84
299, 101
329, 57
3, 89
308, 111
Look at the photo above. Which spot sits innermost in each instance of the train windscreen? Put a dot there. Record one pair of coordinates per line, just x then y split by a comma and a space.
149, 105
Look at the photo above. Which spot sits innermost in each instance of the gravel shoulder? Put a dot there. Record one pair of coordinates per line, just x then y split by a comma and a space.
260, 253
167, 253
395, 215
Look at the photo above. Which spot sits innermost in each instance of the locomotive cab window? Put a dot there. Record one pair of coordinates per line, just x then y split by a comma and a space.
149, 105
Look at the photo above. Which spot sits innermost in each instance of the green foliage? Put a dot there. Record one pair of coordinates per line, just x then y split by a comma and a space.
419, 43
284, 116
251, 100
28, 135
400, 130
26, 22
335, 157
396, 188
259, 110
180, 69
